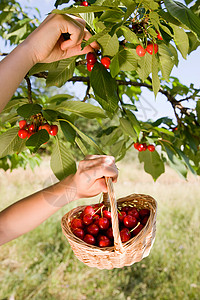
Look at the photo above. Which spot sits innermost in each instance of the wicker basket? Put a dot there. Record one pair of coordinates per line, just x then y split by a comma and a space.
121, 254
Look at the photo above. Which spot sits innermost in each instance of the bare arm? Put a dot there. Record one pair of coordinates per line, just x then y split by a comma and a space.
45, 44
31, 211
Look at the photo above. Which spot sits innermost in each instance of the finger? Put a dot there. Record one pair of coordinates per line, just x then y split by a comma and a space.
87, 36
75, 51
76, 37
97, 161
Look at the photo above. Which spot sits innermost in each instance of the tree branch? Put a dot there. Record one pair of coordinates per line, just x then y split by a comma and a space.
175, 103
29, 88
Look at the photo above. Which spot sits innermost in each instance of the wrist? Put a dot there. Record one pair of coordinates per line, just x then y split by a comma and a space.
26, 48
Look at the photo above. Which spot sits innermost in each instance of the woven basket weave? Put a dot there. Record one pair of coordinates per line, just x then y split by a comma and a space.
121, 254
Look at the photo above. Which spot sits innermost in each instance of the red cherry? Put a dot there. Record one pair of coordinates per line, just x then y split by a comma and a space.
144, 220
90, 67
84, 3
104, 241
174, 129
144, 212
53, 130
93, 229
107, 214
152, 47
144, 147
46, 126
76, 223
87, 219
105, 61
91, 58
159, 36
137, 229
109, 233
125, 235
96, 219
140, 147
31, 128
89, 210
23, 133
104, 223
22, 124
121, 215
125, 208
79, 232
136, 145
134, 212
140, 50
89, 239
151, 148
130, 221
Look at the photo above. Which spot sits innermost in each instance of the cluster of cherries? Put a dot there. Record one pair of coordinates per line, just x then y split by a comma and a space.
26, 129
92, 59
151, 47
94, 225
143, 147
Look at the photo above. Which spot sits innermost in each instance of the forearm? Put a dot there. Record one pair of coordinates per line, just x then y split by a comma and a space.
28, 213
13, 69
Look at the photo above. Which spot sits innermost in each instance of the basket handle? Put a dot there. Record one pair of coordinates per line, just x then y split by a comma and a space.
118, 247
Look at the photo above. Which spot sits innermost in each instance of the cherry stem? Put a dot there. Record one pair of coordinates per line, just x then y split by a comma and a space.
135, 227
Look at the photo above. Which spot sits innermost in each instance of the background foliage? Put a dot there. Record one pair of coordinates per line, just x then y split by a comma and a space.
104, 121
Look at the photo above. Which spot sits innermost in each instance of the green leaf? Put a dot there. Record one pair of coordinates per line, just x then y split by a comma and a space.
145, 68
41, 67
89, 19
109, 44
13, 103
82, 109
8, 140
153, 164
85, 137
59, 98
81, 9
167, 61
124, 60
81, 146
62, 73
198, 110
104, 85
129, 35
28, 110
68, 132
175, 162
181, 40
128, 60
62, 162
50, 115
37, 139
110, 139
127, 128
193, 42
134, 121
111, 16
186, 160
184, 15
155, 77
117, 148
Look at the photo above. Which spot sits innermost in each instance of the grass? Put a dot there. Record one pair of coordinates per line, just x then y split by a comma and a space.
41, 264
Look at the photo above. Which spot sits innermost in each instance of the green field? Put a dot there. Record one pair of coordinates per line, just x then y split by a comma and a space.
41, 264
